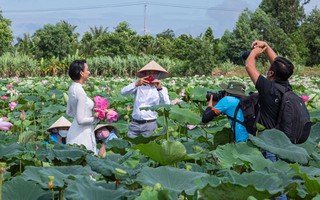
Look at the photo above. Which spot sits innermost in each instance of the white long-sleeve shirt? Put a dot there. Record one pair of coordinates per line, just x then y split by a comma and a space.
146, 96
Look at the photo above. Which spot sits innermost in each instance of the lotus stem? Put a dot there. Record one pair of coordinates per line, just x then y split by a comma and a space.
2, 170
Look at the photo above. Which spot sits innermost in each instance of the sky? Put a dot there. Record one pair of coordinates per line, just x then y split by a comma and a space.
149, 16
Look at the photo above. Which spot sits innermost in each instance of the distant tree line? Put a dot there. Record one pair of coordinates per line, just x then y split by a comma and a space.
283, 23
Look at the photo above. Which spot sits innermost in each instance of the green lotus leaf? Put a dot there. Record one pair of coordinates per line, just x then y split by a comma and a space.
185, 116
10, 150
60, 152
32, 98
18, 188
167, 153
84, 188
172, 179
107, 166
240, 154
311, 184
150, 193
278, 143
54, 109
241, 186
198, 93
315, 115
40, 174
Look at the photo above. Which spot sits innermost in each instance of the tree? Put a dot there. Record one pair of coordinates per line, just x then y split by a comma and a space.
122, 42
167, 34
311, 31
240, 39
182, 47
288, 13
25, 44
6, 36
55, 40
90, 39
208, 35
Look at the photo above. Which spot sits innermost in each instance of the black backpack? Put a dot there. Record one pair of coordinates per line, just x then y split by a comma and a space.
293, 117
251, 112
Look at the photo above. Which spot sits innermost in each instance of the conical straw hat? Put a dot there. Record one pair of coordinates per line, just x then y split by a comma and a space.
109, 126
152, 66
60, 123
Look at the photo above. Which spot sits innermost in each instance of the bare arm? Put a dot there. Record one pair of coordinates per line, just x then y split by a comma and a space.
258, 48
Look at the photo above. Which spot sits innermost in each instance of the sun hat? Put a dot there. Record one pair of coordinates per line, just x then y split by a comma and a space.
108, 126
234, 88
62, 122
152, 66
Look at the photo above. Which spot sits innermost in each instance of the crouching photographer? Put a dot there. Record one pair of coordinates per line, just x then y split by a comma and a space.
226, 102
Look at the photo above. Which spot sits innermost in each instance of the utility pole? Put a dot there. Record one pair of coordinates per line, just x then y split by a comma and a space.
145, 18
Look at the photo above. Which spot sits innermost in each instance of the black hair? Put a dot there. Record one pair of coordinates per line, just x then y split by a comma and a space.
282, 68
75, 68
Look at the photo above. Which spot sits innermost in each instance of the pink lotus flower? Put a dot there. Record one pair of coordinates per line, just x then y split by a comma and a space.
12, 105
101, 102
4, 98
9, 86
112, 116
100, 113
305, 98
44, 82
100, 106
190, 127
5, 126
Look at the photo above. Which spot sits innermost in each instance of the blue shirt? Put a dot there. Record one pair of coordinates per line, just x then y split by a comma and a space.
228, 105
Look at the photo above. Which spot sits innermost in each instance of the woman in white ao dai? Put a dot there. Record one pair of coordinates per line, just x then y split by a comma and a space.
80, 107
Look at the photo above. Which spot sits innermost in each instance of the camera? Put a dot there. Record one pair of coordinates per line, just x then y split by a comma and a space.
216, 95
245, 54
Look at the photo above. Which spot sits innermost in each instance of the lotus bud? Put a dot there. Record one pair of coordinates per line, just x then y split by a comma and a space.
102, 152
22, 115
157, 186
2, 167
188, 167
65, 97
120, 173
53, 96
50, 184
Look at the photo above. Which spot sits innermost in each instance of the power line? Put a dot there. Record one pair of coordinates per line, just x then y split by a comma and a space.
122, 5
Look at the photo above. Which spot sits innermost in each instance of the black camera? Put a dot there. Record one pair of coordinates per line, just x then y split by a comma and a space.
216, 96
245, 54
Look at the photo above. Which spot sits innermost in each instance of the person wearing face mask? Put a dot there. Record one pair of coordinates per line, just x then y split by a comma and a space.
148, 91
59, 130
104, 133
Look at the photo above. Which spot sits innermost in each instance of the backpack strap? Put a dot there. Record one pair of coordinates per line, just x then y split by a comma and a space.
234, 120
281, 88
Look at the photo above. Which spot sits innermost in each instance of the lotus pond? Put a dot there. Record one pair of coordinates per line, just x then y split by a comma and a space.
184, 159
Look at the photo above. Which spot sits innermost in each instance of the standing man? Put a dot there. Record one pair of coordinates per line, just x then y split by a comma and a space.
269, 95
147, 92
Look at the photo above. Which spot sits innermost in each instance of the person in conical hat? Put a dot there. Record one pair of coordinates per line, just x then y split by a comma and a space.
105, 132
148, 91
226, 102
59, 130
153, 66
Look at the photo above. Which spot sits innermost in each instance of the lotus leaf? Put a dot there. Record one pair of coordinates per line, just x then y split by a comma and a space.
172, 179
278, 143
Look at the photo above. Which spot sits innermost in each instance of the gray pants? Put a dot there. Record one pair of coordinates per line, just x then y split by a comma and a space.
145, 129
